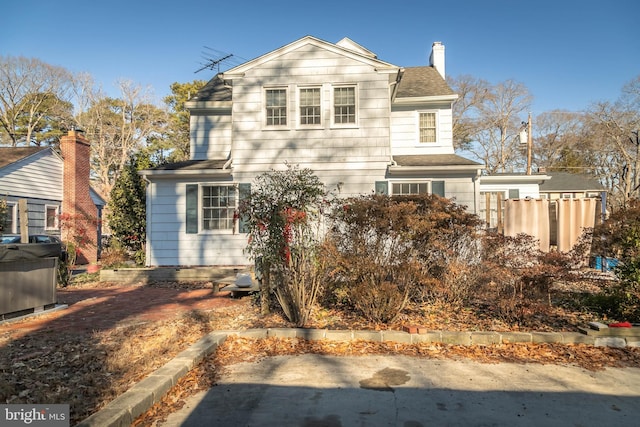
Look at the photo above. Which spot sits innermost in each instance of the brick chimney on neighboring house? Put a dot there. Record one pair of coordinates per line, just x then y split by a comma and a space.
79, 213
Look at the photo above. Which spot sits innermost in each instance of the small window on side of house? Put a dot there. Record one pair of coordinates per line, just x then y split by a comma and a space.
51, 217
427, 127
10, 221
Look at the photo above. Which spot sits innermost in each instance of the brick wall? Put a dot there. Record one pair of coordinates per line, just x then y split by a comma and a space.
79, 213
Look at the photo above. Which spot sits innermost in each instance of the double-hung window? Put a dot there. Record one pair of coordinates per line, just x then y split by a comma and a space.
218, 207
344, 105
276, 107
310, 106
427, 127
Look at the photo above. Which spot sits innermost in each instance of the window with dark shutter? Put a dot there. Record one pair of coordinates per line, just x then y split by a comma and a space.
192, 208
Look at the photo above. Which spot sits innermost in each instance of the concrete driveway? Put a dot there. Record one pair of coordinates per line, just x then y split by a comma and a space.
315, 390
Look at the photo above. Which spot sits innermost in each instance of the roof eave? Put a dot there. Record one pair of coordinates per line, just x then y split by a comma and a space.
424, 99
414, 170
221, 106
185, 173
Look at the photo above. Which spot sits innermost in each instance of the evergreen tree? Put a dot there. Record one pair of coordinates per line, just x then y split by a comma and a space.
127, 212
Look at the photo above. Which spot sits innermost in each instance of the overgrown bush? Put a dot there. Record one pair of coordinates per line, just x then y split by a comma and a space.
284, 216
517, 276
382, 245
66, 263
619, 237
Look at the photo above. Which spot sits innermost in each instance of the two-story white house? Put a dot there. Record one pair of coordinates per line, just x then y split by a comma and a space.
360, 123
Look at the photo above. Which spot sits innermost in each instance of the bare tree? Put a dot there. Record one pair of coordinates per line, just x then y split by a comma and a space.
489, 120
561, 143
118, 128
33, 95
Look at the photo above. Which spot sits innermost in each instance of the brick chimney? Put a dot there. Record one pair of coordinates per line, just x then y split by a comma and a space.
436, 59
79, 213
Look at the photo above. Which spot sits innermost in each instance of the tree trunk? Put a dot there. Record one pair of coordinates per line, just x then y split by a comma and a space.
265, 289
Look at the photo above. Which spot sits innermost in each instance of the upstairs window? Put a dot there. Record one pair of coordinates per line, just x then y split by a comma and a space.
276, 107
427, 127
344, 105
310, 106
218, 207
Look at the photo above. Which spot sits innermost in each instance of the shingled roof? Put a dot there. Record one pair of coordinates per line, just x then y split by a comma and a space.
215, 90
10, 155
570, 182
434, 160
422, 81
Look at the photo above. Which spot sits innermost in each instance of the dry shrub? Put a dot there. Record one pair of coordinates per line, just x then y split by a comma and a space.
381, 302
424, 245
114, 256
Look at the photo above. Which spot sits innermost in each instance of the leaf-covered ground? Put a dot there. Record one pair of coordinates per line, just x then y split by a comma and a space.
89, 369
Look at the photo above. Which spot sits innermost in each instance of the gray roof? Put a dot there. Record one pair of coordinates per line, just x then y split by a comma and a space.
192, 165
435, 160
570, 182
422, 81
215, 90
10, 155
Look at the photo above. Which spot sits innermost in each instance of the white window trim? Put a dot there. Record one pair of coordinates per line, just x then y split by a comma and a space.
201, 208
410, 181
299, 123
438, 138
46, 210
567, 196
12, 210
357, 107
287, 108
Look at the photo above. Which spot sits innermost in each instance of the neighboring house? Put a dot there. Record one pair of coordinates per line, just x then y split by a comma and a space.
52, 183
360, 123
564, 185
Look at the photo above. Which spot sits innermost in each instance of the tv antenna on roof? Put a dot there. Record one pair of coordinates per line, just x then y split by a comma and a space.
213, 62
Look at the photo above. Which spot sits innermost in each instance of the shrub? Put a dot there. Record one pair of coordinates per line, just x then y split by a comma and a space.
283, 214
399, 243
619, 237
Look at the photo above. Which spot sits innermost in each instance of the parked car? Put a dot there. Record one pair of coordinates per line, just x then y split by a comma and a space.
7, 239
33, 238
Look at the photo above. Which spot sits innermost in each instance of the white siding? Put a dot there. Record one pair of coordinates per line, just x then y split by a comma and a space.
210, 135
167, 240
346, 155
404, 131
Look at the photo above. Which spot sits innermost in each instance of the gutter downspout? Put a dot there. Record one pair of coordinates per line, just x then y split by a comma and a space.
394, 90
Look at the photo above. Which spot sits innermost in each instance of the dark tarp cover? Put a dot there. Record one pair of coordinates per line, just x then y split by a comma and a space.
13, 252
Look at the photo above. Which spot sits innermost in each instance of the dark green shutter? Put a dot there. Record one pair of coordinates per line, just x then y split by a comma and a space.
245, 194
192, 208
514, 193
437, 188
382, 187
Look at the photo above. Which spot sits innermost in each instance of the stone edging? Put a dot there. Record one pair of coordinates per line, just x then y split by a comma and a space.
123, 410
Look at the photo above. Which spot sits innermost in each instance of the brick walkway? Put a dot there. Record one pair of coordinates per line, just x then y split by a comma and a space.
95, 309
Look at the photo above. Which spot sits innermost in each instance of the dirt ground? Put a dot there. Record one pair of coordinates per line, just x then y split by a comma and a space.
112, 336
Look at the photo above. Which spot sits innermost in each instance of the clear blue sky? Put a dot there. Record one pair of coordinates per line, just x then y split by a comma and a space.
569, 53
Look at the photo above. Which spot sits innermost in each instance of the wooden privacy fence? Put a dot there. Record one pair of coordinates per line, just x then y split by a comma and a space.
558, 223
